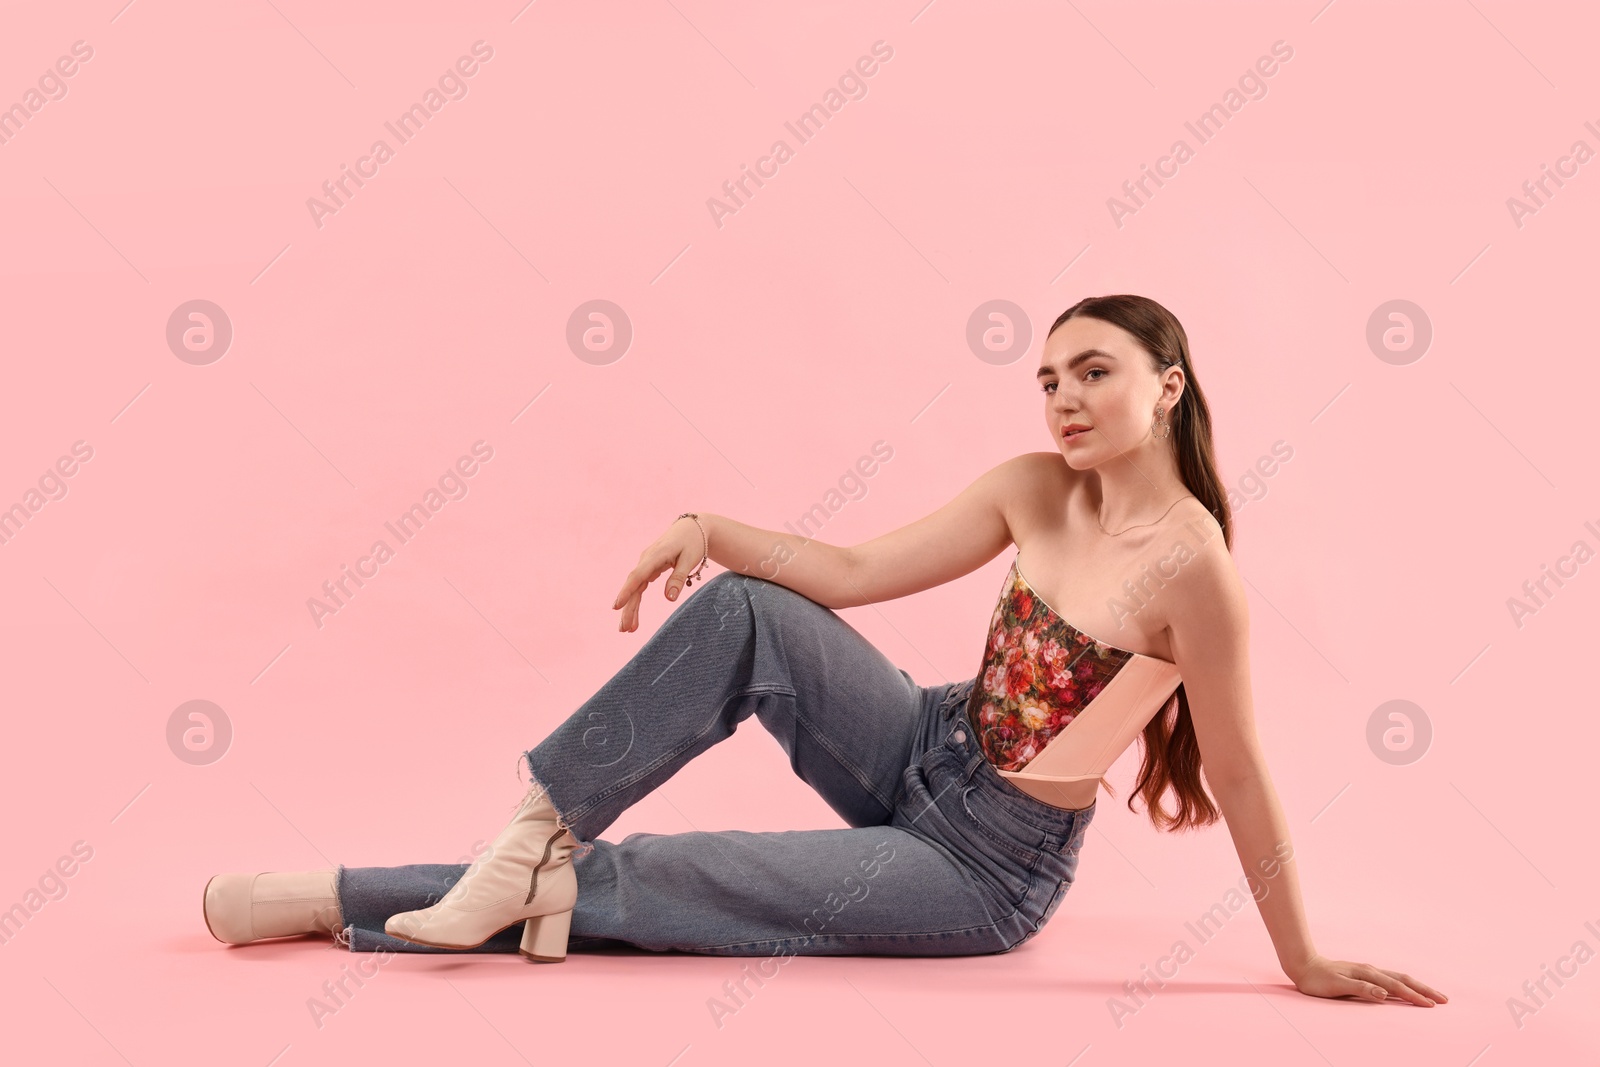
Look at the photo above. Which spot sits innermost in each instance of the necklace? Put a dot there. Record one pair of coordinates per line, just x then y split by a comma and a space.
1136, 525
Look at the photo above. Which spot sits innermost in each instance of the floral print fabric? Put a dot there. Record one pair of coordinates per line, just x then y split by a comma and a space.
1038, 673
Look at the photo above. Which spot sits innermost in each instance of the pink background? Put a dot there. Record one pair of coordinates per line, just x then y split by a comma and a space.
768, 354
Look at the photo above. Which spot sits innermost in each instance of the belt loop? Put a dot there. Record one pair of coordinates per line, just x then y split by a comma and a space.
955, 698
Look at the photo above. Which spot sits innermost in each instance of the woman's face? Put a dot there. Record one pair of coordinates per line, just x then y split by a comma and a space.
1109, 388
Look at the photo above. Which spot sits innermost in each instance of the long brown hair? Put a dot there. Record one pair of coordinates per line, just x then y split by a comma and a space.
1171, 752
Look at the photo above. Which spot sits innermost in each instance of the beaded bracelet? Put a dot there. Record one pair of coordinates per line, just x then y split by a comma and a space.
706, 540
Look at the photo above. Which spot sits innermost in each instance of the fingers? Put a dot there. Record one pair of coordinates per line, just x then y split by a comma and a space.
1352, 986
1422, 989
630, 614
1356, 980
676, 582
632, 584
1390, 983
632, 592
638, 580
1342, 978
678, 579
627, 601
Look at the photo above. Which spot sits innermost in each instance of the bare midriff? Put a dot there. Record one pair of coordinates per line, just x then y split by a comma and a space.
1074, 796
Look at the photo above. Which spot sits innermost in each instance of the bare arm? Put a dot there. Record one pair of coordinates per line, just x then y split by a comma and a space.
958, 538
1210, 630
954, 540
808, 566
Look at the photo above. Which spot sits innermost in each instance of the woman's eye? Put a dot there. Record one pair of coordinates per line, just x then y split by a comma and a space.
1093, 370
1046, 388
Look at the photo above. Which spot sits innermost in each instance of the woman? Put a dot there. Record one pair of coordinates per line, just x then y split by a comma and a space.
966, 803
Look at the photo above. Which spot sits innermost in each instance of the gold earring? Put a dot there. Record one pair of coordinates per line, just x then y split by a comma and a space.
1161, 429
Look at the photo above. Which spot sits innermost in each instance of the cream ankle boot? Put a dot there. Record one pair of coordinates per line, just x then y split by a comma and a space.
240, 908
525, 876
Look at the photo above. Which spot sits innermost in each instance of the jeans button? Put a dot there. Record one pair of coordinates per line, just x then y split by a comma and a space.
960, 735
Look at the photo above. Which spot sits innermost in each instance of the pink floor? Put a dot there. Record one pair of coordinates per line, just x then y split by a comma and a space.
123, 966
189, 485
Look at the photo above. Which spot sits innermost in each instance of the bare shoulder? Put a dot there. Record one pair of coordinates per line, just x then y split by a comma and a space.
1016, 484
1037, 480
1032, 469
1046, 466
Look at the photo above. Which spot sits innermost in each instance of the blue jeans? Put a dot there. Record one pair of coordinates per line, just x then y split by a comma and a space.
940, 857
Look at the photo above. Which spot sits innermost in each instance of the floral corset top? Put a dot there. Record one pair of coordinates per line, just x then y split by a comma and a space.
1052, 703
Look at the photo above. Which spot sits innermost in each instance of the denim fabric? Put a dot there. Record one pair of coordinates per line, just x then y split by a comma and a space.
940, 856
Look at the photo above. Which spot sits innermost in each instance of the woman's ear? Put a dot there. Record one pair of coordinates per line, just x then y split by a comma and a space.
1172, 384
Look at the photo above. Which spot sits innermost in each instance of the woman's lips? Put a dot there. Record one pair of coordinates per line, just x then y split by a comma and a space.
1071, 435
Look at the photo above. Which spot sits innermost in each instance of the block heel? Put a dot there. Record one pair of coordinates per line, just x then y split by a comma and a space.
544, 937
526, 876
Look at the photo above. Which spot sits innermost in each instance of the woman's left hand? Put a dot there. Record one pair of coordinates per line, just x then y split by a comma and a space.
1323, 977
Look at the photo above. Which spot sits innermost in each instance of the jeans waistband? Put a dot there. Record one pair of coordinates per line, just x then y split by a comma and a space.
960, 740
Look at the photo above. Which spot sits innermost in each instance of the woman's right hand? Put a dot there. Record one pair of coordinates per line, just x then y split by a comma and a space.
680, 550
